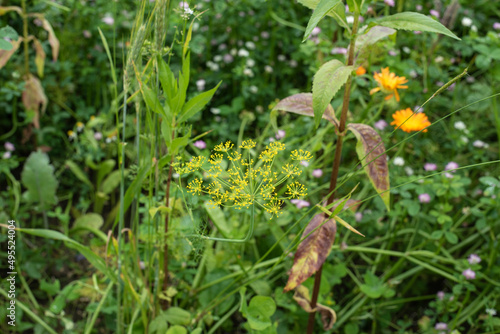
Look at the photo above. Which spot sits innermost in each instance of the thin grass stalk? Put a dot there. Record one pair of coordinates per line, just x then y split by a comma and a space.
336, 164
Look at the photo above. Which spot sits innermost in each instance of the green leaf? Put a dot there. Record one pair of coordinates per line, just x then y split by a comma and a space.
105, 168
154, 104
436, 235
354, 5
414, 21
366, 39
312, 251
167, 80
176, 330
38, 177
177, 316
8, 32
259, 312
327, 81
80, 175
92, 220
196, 104
93, 258
373, 287
4, 45
451, 237
324, 6
112, 181
159, 325
338, 12
51, 289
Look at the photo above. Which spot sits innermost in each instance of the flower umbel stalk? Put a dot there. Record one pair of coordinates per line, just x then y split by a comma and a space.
336, 163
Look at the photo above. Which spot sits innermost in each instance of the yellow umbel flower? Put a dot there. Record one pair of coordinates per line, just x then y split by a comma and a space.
389, 83
245, 182
409, 121
296, 190
248, 144
301, 155
195, 187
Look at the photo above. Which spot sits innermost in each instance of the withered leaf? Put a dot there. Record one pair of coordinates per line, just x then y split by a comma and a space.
53, 41
34, 97
328, 316
302, 104
5, 55
312, 251
371, 152
40, 57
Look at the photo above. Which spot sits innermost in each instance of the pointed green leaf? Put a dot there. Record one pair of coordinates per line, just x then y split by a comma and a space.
312, 251
366, 39
327, 81
80, 175
167, 80
302, 104
324, 6
371, 152
38, 177
196, 104
92, 257
154, 104
338, 12
414, 21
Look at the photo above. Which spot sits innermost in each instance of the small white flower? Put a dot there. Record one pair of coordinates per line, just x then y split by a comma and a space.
439, 59
281, 57
6, 155
108, 19
215, 111
350, 19
466, 21
218, 58
243, 53
248, 72
413, 74
473, 28
233, 52
398, 161
408, 171
200, 84
293, 63
250, 62
280, 134
464, 139
479, 143
250, 45
460, 125
406, 49
491, 312
253, 89
268, 69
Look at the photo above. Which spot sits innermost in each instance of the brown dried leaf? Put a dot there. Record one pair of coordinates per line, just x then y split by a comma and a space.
40, 57
33, 97
53, 41
312, 251
328, 316
375, 162
5, 55
302, 104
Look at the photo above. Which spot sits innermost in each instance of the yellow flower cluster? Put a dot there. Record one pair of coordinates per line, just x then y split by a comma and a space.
239, 181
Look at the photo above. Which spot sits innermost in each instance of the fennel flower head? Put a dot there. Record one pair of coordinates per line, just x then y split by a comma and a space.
388, 83
239, 178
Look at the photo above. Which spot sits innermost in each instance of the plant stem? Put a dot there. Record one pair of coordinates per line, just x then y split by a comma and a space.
336, 163
25, 39
167, 203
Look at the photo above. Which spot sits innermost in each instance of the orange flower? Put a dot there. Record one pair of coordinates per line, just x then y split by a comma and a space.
360, 71
409, 121
389, 83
